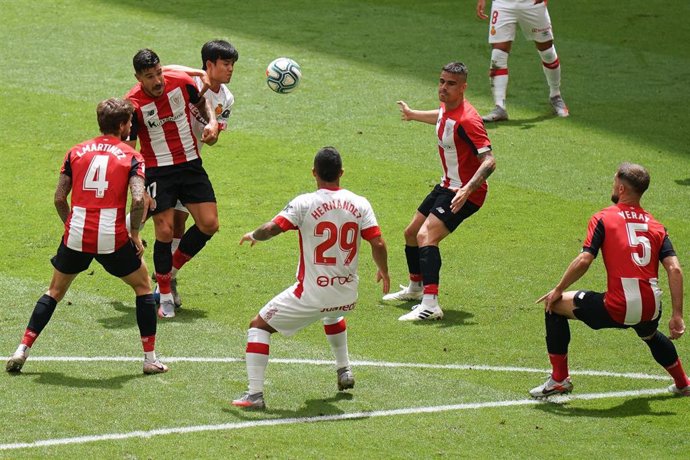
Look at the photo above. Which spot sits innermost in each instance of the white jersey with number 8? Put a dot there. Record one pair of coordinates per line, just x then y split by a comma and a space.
331, 224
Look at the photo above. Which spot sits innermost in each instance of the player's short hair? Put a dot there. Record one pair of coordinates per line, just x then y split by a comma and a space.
145, 59
328, 164
218, 49
635, 176
111, 113
457, 68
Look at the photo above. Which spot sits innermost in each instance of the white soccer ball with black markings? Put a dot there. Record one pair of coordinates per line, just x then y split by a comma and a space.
283, 75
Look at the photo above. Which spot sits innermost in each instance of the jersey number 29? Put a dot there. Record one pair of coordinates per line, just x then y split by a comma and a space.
345, 237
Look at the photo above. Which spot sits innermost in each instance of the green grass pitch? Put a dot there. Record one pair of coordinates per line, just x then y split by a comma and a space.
625, 75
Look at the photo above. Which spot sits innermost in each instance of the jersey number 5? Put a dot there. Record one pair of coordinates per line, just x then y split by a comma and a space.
639, 240
94, 179
345, 237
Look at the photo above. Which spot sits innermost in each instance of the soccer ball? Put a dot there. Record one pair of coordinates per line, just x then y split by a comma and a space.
283, 75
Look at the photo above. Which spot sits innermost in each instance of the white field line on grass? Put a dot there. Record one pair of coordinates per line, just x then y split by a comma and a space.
322, 362
323, 418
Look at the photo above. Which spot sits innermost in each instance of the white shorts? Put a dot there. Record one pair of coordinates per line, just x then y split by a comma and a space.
534, 21
180, 207
287, 314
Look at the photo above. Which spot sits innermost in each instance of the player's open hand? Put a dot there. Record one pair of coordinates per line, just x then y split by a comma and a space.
458, 200
248, 237
480, 9
138, 245
380, 276
676, 327
405, 111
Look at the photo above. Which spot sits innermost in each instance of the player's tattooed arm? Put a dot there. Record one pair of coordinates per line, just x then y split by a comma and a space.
263, 233
487, 166
138, 205
61, 191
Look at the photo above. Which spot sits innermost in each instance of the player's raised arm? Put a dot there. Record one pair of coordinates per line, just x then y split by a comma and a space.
192, 72
425, 116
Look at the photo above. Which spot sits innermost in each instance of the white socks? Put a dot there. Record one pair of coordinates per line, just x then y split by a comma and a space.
258, 342
498, 73
552, 70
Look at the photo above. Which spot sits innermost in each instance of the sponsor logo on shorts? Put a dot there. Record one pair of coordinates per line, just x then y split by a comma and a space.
541, 31
441, 210
270, 313
341, 308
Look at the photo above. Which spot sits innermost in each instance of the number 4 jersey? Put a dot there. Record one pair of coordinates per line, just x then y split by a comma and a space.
331, 224
100, 169
632, 243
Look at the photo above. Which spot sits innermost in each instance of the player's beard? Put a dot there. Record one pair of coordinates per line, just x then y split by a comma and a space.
614, 198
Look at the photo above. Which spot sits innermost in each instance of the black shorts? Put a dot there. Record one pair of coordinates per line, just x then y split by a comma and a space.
438, 203
122, 262
187, 182
590, 309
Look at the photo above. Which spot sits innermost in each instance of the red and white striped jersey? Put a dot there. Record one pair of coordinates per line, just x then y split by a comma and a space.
461, 137
164, 124
632, 243
331, 224
100, 169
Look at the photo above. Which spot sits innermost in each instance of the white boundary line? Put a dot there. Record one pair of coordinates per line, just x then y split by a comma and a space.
323, 418
323, 362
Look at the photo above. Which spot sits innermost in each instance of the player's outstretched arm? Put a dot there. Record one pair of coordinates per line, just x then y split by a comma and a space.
60, 199
676, 324
577, 268
379, 253
192, 72
425, 116
263, 233
212, 129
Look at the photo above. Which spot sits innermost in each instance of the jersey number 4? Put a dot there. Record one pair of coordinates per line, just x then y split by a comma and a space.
95, 176
345, 237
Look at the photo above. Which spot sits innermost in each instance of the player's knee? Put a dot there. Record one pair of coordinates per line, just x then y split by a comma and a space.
410, 234
499, 59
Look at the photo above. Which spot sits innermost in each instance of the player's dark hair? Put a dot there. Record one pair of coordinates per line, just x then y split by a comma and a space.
111, 113
328, 164
635, 176
145, 59
218, 49
457, 68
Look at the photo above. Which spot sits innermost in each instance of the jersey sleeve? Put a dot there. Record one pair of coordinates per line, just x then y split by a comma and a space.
666, 248
134, 129
595, 235
226, 111
66, 167
473, 131
137, 168
369, 227
292, 215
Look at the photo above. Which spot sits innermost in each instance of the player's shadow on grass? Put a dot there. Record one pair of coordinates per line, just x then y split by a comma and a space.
312, 408
685, 182
63, 380
628, 408
526, 123
128, 319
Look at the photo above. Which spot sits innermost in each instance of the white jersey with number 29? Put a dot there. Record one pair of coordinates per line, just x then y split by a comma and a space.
331, 225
